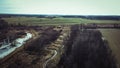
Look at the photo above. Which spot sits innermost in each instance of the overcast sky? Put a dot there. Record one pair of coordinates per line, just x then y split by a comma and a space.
71, 7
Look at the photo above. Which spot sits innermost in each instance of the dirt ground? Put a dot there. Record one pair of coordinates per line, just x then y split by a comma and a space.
113, 37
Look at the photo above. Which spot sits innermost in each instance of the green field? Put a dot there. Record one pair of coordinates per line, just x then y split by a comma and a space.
54, 21
113, 37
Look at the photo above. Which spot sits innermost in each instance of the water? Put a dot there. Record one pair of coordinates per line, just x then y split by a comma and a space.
6, 49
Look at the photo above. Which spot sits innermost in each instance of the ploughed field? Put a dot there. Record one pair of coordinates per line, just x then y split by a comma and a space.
87, 48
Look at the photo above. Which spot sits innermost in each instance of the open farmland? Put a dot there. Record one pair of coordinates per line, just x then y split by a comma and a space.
33, 21
60, 42
87, 49
113, 37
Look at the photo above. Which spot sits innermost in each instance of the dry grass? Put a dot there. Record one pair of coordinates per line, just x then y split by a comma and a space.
113, 37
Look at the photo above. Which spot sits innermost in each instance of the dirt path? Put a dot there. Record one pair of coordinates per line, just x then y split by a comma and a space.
55, 53
64, 33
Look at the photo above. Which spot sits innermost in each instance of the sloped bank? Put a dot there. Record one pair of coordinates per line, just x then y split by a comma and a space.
57, 47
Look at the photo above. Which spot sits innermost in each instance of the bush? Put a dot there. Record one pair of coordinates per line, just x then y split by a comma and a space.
46, 38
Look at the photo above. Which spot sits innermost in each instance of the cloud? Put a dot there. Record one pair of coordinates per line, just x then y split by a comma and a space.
81, 7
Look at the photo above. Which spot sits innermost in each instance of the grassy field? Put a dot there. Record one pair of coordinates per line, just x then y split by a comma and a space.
113, 37
54, 21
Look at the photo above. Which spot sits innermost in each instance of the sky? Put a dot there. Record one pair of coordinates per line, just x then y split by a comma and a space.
64, 7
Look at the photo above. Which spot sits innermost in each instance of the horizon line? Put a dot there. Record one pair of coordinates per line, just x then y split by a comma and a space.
60, 14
